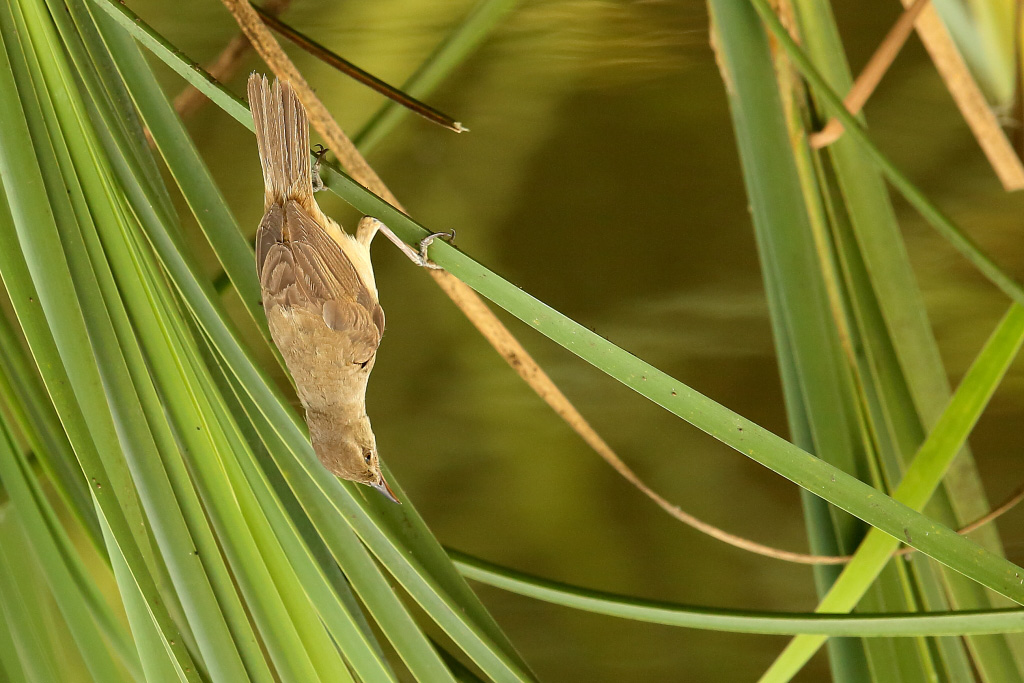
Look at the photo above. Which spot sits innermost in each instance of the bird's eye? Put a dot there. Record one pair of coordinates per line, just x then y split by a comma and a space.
367, 456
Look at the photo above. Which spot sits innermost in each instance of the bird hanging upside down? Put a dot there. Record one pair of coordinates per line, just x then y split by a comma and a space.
319, 293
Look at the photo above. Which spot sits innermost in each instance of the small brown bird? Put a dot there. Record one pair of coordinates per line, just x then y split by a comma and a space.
318, 291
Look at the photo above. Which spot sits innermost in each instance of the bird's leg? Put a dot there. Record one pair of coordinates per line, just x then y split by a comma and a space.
318, 182
368, 227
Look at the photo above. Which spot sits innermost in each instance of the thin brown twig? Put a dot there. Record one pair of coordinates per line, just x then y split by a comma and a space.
365, 77
190, 99
995, 512
871, 75
477, 311
802, 558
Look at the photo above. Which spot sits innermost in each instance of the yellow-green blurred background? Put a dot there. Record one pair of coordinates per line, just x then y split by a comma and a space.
602, 177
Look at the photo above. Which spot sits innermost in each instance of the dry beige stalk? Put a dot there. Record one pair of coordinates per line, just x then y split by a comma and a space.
969, 98
954, 72
484, 319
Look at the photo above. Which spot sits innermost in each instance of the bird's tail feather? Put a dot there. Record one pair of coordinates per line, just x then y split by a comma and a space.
282, 134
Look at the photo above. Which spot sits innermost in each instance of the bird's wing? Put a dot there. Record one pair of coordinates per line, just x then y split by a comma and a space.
302, 257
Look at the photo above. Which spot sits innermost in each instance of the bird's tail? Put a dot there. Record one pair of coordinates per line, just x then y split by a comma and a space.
282, 134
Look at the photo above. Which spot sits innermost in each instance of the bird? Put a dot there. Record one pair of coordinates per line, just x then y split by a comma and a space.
318, 289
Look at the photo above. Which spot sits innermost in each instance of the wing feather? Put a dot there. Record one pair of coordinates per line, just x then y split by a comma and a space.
268, 234
300, 265
323, 261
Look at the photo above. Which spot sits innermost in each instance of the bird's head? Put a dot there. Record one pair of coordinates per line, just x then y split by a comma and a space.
349, 451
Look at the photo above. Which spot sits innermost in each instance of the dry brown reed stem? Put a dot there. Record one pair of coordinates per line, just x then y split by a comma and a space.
469, 302
954, 72
970, 100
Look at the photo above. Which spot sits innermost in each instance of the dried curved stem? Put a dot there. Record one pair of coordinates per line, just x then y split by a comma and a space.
954, 72
872, 73
484, 319
969, 99
769, 551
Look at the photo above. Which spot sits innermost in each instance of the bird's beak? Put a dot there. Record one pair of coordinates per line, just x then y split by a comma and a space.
383, 487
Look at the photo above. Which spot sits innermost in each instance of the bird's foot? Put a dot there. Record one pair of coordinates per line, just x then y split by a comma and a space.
318, 182
425, 243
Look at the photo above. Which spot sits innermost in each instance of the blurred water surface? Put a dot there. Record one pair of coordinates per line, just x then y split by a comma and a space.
602, 177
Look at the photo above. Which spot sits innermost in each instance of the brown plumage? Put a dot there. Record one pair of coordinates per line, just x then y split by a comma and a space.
318, 291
